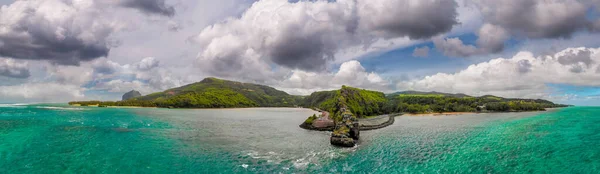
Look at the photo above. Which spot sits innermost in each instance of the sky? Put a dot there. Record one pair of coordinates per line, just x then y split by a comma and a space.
63, 50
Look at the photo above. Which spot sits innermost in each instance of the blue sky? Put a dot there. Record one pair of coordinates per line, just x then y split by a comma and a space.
98, 50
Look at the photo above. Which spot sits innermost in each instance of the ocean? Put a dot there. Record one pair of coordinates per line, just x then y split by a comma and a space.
55, 138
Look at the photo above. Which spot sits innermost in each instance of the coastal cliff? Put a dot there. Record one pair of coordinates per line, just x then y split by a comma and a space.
346, 132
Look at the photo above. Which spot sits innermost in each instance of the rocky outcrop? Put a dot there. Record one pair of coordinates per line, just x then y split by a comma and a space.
312, 127
347, 131
131, 94
342, 142
321, 123
390, 121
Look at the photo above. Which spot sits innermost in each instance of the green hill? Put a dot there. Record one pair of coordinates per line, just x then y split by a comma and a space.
218, 93
428, 93
360, 101
212, 93
441, 102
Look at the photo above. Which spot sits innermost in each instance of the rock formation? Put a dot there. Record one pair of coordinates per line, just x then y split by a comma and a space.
131, 94
346, 133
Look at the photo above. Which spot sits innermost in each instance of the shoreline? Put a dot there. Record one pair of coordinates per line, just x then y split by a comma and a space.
134, 107
444, 114
131, 107
467, 113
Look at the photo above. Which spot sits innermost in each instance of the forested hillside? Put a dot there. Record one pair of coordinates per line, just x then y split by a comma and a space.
360, 101
211, 93
427, 103
218, 93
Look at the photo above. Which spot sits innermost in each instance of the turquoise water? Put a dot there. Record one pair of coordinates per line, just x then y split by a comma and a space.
63, 139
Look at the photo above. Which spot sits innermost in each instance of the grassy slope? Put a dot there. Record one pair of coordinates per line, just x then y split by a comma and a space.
427, 94
361, 102
212, 93
224, 93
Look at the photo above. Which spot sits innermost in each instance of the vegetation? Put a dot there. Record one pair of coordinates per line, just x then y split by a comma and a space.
420, 103
210, 93
361, 102
311, 119
218, 93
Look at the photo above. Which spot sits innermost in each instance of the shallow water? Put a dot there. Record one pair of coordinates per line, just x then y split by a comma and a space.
63, 139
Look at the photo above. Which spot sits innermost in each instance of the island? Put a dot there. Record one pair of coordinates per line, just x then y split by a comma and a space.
344, 112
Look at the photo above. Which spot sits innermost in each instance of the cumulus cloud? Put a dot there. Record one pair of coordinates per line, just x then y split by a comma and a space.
491, 40
454, 47
147, 64
573, 57
523, 75
534, 19
105, 66
41, 92
13, 69
306, 35
417, 19
70, 75
146, 76
350, 73
64, 32
122, 86
68, 32
523, 66
150, 6
421, 52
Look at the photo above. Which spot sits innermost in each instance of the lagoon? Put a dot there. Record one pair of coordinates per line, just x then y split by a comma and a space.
65, 139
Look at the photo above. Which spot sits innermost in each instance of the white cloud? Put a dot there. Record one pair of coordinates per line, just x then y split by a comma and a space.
530, 19
66, 83
299, 47
70, 75
13, 69
121, 86
147, 64
417, 19
41, 92
147, 75
350, 73
69, 32
310, 35
523, 75
536, 18
491, 40
454, 47
64, 32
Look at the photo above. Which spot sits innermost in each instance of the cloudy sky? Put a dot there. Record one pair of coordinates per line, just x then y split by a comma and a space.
62, 50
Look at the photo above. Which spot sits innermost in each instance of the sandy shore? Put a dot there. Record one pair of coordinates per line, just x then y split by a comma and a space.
441, 114
129, 107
